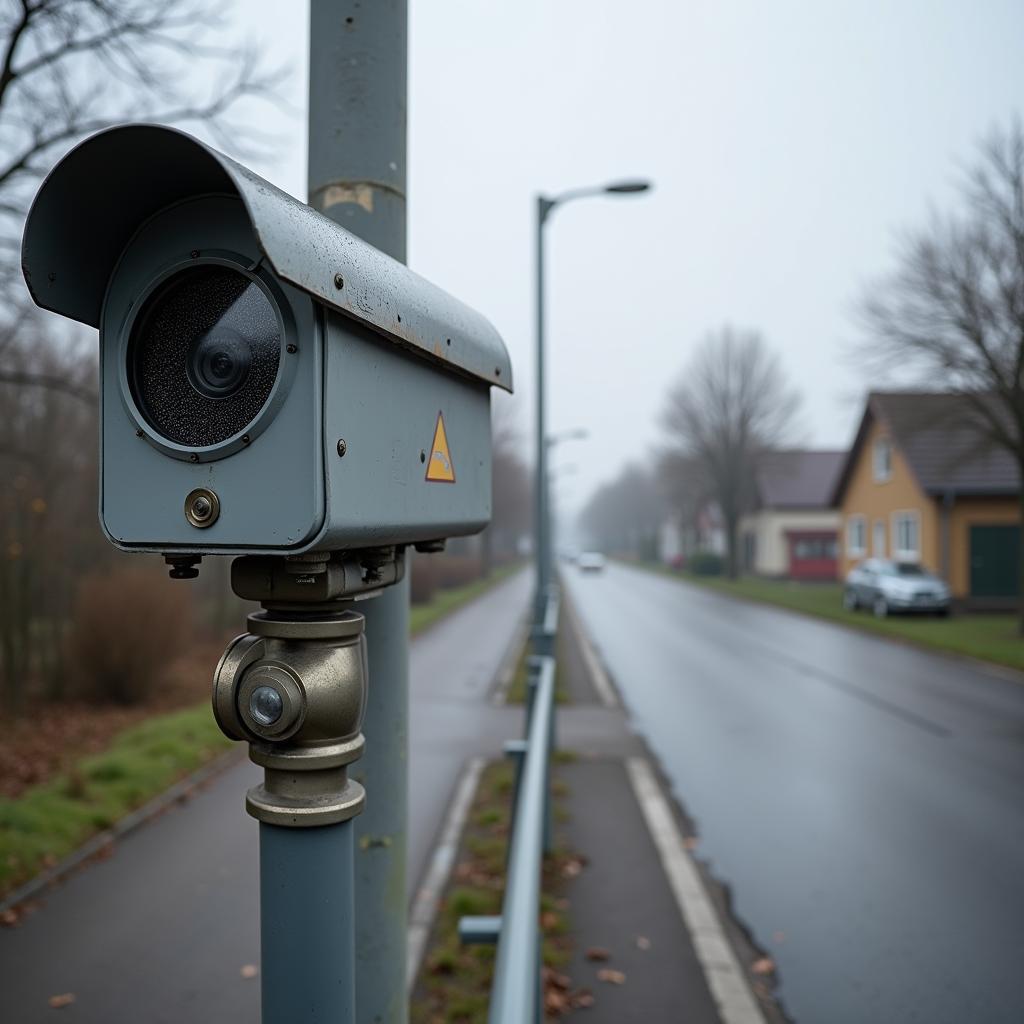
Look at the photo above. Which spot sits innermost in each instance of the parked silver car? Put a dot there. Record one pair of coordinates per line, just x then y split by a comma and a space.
885, 587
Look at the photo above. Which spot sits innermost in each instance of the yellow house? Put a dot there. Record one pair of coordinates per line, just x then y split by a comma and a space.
922, 483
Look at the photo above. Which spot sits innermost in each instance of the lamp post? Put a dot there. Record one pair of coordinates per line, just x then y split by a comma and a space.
542, 525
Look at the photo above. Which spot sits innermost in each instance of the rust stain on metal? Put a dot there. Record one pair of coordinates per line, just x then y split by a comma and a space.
360, 194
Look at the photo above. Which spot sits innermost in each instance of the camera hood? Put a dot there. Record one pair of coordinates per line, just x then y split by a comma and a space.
94, 201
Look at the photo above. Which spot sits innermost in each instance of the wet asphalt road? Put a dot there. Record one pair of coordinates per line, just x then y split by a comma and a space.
160, 930
863, 799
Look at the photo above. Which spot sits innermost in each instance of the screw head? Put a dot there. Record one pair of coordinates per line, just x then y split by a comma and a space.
194, 254
339, 281
342, 447
291, 349
202, 507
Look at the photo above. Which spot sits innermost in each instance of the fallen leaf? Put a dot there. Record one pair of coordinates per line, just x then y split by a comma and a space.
582, 998
612, 976
572, 867
249, 971
9, 918
549, 920
642, 942
598, 953
690, 842
62, 1000
766, 965
555, 980
555, 1002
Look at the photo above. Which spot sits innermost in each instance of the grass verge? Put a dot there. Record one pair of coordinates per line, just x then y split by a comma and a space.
516, 693
48, 821
989, 637
51, 820
444, 602
454, 983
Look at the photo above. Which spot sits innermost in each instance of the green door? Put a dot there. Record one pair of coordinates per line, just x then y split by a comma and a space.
994, 561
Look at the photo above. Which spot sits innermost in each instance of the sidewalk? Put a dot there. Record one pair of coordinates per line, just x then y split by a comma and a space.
161, 930
664, 937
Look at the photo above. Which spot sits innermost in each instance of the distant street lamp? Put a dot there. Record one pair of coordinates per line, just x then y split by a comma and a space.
576, 434
542, 524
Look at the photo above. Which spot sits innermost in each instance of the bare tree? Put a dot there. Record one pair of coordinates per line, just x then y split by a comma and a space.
72, 67
511, 487
952, 313
623, 516
730, 406
68, 68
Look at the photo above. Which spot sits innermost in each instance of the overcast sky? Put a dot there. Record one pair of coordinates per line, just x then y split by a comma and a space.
788, 143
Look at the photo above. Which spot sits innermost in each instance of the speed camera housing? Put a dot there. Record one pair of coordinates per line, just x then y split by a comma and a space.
269, 382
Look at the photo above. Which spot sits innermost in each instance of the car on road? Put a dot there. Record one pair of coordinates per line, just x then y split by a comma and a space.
886, 586
590, 561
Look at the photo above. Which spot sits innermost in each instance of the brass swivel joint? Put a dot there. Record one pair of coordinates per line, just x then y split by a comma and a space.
295, 689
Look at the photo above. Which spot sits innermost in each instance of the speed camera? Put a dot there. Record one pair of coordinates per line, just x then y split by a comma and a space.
270, 384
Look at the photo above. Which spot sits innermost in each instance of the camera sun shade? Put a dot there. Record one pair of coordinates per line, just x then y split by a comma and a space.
319, 392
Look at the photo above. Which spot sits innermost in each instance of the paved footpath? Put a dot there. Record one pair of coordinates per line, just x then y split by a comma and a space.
161, 929
666, 952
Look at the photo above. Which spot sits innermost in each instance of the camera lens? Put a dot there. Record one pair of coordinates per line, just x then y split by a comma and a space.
219, 363
204, 355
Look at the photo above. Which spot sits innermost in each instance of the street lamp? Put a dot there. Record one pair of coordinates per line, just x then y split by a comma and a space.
576, 434
542, 525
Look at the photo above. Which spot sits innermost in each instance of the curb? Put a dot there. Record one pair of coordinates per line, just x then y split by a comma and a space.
442, 860
129, 823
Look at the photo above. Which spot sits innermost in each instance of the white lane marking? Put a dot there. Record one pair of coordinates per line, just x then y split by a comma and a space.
725, 976
602, 684
428, 897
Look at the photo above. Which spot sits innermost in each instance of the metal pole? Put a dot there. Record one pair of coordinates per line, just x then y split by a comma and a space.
357, 162
307, 981
540, 479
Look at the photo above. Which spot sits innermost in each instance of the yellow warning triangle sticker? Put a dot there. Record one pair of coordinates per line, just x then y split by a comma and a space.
440, 467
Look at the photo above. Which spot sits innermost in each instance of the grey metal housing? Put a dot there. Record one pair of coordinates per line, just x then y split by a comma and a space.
372, 355
96, 198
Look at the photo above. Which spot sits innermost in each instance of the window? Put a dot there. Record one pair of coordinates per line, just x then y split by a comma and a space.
856, 536
906, 539
883, 460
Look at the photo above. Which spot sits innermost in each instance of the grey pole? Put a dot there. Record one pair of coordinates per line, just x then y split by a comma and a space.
306, 981
357, 162
540, 529
543, 529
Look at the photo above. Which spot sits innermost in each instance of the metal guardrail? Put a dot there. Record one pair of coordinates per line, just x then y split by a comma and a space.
517, 996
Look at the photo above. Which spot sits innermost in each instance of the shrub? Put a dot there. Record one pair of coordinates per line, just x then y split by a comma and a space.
704, 563
431, 573
128, 625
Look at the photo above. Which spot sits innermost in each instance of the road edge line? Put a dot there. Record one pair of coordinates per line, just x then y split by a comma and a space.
442, 860
726, 979
599, 677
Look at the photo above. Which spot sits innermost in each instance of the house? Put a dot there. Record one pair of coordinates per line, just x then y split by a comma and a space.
923, 483
680, 537
793, 530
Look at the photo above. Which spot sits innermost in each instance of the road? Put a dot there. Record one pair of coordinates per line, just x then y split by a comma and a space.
159, 932
862, 798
